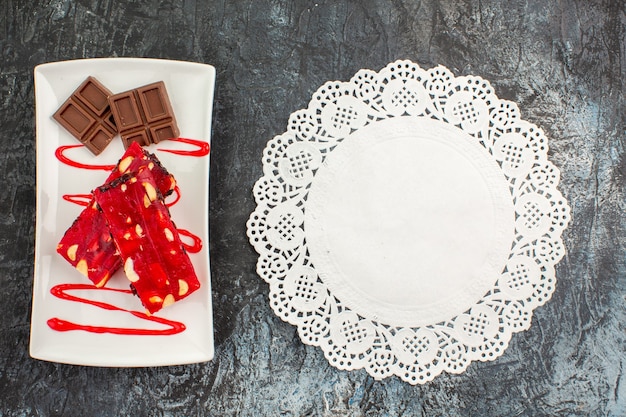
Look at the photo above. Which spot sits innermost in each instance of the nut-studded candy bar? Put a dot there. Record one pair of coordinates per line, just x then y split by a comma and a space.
87, 244
155, 260
136, 158
144, 115
86, 114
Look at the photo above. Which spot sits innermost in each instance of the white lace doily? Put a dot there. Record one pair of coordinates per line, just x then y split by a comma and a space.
408, 222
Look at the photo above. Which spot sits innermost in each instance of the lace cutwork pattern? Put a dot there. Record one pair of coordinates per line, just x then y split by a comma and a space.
299, 295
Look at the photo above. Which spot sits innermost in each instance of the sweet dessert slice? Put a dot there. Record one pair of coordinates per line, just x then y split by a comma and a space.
155, 260
87, 244
136, 158
86, 114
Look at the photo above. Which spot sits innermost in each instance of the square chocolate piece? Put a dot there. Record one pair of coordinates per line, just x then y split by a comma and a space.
86, 114
144, 115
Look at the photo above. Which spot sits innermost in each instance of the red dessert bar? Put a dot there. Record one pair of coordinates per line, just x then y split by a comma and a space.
155, 260
136, 158
87, 244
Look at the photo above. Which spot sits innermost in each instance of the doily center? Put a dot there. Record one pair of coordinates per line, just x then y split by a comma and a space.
409, 215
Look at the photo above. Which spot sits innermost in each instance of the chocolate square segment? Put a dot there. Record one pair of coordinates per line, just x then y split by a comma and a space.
144, 115
86, 114
125, 111
155, 102
95, 96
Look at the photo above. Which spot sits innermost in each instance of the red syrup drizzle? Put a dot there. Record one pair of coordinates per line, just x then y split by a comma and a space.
176, 194
60, 154
203, 147
60, 291
79, 199
196, 246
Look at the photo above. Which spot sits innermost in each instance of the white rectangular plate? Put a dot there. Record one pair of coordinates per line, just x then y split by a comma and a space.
190, 87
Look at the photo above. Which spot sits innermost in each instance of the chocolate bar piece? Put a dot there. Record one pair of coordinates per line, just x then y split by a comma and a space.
87, 244
155, 260
144, 115
86, 114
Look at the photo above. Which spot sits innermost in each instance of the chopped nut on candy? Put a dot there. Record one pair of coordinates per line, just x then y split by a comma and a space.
87, 244
154, 258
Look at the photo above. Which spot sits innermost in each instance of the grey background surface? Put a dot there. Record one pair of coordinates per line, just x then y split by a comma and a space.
563, 62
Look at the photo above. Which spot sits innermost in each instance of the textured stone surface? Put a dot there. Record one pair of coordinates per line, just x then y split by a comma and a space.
562, 62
